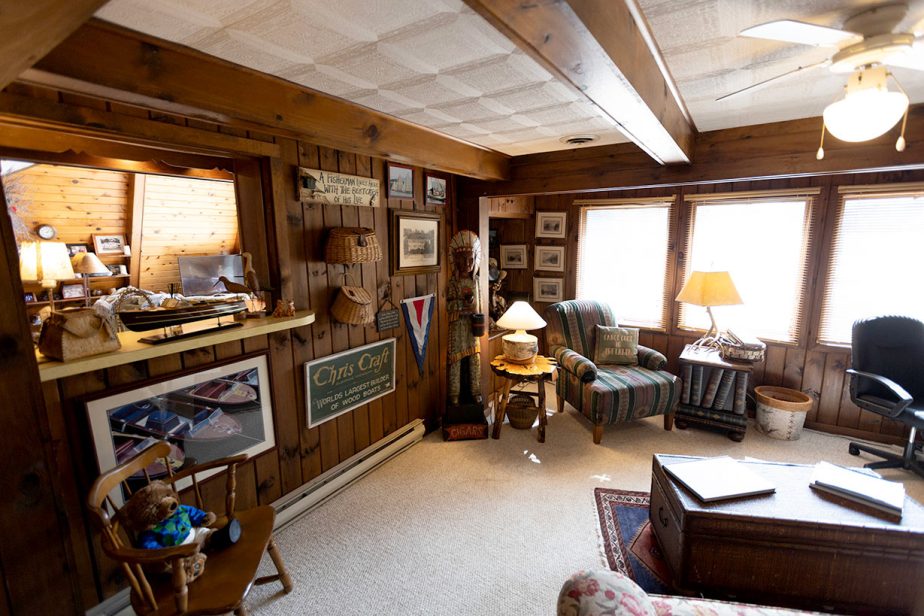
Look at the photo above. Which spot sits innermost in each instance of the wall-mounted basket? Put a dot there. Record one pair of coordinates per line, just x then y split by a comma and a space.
353, 306
349, 245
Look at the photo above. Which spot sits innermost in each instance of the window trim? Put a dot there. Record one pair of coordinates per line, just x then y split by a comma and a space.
671, 203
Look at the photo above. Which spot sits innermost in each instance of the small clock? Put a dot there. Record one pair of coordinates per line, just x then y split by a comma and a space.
46, 232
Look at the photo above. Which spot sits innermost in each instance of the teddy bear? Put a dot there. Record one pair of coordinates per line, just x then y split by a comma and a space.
158, 520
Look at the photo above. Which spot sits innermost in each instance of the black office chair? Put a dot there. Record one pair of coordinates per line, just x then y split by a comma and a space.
888, 378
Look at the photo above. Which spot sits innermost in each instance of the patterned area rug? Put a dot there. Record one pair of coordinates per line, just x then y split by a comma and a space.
628, 541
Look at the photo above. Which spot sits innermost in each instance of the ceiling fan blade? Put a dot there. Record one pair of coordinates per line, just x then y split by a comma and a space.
760, 84
911, 58
800, 32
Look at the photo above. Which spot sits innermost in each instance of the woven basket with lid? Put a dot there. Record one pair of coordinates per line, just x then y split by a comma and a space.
522, 412
352, 245
353, 306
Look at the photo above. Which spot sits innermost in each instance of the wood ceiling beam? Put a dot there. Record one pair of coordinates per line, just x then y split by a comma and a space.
604, 49
119, 60
31, 28
763, 151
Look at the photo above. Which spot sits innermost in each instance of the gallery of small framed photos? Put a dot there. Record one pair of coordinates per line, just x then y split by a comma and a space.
549, 257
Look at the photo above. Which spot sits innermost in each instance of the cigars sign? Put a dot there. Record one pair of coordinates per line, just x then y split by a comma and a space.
339, 383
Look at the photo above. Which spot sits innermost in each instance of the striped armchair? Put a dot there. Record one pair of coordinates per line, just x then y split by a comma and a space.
605, 394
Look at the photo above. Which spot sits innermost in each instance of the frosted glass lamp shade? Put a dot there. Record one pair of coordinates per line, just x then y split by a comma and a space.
88, 263
520, 347
709, 289
867, 110
45, 262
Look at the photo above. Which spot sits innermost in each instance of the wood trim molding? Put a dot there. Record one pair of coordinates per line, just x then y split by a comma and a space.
100, 54
29, 30
600, 48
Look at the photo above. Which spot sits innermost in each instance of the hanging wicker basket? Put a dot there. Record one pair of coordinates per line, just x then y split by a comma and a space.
522, 412
352, 245
353, 306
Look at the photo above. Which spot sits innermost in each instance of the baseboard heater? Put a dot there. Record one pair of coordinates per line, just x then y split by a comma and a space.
292, 506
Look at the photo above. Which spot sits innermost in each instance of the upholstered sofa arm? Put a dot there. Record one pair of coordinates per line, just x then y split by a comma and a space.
575, 363
651, 359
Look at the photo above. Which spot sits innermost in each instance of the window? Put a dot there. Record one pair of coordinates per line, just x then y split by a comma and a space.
874, 264
762, 240
623, 259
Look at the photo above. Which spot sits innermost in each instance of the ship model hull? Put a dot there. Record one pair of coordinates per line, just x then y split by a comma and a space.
146, 320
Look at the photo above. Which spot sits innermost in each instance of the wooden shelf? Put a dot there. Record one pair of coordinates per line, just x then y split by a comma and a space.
132, 350
57, 301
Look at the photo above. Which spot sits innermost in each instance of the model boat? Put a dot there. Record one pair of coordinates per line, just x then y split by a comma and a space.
156, 318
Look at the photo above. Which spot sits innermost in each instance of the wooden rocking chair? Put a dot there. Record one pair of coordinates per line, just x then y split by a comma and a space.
229, 573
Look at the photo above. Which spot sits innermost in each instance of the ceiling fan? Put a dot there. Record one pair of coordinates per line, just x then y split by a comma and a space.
866, 40
866, 45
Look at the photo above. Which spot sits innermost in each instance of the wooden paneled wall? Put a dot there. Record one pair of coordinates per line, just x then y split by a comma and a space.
815, 369
182, 217
286, 238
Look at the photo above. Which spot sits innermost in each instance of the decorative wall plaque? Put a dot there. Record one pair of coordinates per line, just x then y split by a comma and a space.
316, 186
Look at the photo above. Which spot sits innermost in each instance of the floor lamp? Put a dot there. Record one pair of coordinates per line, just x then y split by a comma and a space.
709, 289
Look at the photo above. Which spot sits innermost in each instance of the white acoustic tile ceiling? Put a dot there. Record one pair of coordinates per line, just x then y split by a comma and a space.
431, 62
699, 42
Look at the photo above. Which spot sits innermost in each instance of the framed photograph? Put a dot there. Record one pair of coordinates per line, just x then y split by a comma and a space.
205, 414
550, 258
109, 244
436, 190
71, 291
415, 242
548, 289
513, 256
74, 249
400, 182
114, 270
551, 224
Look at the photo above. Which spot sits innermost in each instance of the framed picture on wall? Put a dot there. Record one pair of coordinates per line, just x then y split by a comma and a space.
400, 181
415, 242
209, 413
513, 256
551, 224
548, 289
71, 291
436, 190
109, 244
550, 258
75, 249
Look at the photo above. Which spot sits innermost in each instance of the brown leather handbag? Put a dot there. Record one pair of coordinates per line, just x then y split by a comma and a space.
77, 332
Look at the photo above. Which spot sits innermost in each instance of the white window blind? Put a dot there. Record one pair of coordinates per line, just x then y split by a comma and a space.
762, 240
874, 267
622, 260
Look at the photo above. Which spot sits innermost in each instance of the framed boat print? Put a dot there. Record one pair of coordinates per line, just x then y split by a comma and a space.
109, 244
436, 190
550, 258
415, 242
400, 181
551, 224
513, 256
213, 412
547, 289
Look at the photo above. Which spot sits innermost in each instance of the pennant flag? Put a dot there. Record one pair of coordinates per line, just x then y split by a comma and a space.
417, 314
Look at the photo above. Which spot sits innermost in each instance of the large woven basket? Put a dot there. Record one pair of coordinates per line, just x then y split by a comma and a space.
522, 412
353, 306
352, 245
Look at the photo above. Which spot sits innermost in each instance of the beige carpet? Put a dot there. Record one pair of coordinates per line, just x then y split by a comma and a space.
489, 527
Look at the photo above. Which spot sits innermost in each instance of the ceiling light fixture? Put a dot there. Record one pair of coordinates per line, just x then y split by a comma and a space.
867, 110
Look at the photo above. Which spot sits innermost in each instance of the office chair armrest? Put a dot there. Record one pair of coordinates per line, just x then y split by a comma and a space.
904, 398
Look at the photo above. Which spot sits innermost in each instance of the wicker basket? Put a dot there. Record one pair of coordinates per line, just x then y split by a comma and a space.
353, 306
522, 412
352, 245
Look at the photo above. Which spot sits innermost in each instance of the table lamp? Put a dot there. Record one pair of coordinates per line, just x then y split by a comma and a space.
709, 289
520, 347
86, 263
47, 263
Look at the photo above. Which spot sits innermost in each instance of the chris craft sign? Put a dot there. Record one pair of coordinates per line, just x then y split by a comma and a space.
319, 186
341, 382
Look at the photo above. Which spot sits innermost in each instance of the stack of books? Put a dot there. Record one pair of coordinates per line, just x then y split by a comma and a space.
885, 496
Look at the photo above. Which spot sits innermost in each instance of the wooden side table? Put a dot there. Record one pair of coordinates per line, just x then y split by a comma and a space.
714, 392
541, 370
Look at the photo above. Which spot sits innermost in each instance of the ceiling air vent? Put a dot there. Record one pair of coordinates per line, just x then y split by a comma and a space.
579, 139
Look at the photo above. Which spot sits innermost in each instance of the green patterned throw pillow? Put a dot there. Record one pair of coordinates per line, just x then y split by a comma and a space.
616, 345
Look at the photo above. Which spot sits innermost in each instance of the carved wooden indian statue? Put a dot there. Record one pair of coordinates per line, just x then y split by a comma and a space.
464, 304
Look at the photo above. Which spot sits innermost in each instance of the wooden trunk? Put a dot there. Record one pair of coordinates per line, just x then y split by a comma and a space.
796, 548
